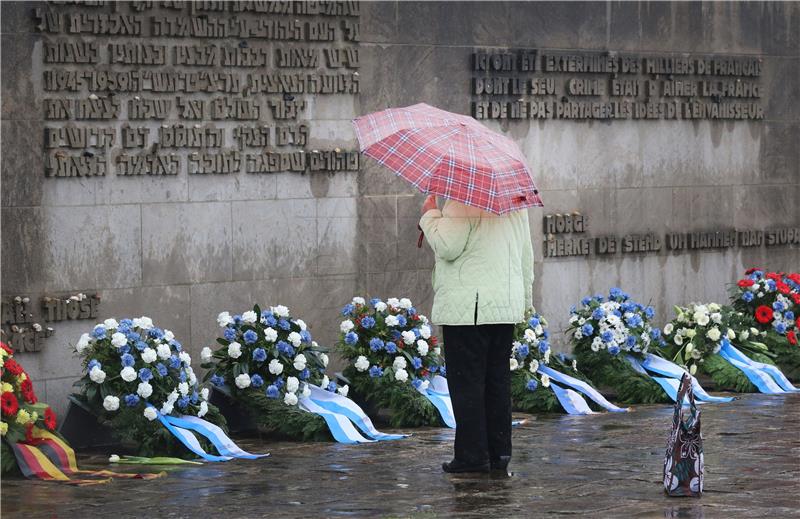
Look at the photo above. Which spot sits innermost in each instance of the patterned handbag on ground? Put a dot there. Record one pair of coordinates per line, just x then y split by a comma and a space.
683, 462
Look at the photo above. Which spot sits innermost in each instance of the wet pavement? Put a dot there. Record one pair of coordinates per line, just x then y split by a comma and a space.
607, 465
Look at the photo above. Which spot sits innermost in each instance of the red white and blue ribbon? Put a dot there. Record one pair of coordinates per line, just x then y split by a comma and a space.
767, 378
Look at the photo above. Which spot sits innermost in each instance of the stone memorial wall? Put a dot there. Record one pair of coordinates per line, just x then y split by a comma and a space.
177, 159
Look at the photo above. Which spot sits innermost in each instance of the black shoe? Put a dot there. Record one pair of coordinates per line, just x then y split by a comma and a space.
455, 467
500, 464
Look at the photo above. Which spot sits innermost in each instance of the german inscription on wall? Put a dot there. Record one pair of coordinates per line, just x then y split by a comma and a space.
197, 88
540, 84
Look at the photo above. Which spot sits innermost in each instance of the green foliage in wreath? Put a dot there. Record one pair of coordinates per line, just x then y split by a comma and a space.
727, 377
630, 386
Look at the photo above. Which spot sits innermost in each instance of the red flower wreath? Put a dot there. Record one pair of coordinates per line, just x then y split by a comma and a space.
50, 419
791, 337
763, 314
12, 367
5, 347
9, 404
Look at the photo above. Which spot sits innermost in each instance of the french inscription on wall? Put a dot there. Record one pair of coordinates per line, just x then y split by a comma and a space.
541, 84
567, 235
197, 88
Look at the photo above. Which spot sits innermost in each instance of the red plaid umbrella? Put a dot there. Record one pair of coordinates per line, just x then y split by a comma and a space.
449, 155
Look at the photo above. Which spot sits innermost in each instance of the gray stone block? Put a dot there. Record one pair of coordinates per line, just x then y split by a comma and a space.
23, 256
142, 189
337, 226
378, 22
274, 239
18, 17
20, 100
644, 210
779, 155
22, 164
691, 209
195, 247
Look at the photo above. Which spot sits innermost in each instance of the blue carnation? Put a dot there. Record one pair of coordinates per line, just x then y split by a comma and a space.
655, 333
279, 382
125, 349
777, 306
546, 334
285, 348
416, 362
633, 321
175, 344
375, 372
305, 336
443, 371
256, 380
133, 337
607, 336
433, 369
780, 328
390, 347
250, 337
788, 315
616, 293
649, 312
630, 342
412, 311
367, 322
259, 355
523, 350
141, 345
182, 376
126, 323
270, 321
417, 333
283, 324
131, 400
532, 385
348, 309
351, 338
401, 321
174, 362
417, 382
99, 332
586, 300
613, 349
396, 334
230, 334
375, 344
183, 402
272, 391
155, 333
195, 397
127, 360
617, 313
598, 314
303, 375
543, 347
587, 329
237, 320
145, 374
374, 301
217, 380
533, 322
161, 369
92, 364
771, 286
331, 387
747, 296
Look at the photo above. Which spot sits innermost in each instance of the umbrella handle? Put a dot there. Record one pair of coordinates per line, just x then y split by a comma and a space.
421, 237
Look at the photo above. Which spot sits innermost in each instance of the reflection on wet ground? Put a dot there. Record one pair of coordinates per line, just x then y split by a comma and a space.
606, 465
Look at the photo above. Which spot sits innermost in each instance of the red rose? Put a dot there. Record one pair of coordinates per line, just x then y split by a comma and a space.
763, 314
12, 367
790, 335
50, 419
744, 283
9, 404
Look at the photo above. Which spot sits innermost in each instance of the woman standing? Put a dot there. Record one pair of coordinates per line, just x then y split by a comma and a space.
482, 286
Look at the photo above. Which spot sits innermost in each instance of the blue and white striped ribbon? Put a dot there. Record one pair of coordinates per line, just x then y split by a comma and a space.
438, 394
581, 386
189, 440
768, 379
670, 369
340, 426
215, 435
335, 403
572, 402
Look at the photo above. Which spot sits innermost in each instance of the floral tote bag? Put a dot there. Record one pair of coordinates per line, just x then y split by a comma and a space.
683, 462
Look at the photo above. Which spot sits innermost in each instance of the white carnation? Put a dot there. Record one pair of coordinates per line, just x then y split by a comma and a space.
744, 335
301, 324
290, 399
145, 323
128, 374
111, 403
362, 364
392, 320
714, 334
300, 362
280, 311
547, 356
359, 301
323, 357
393, 302
111, 324
399, 363
250, 317
545, 380
163, 351
306, 391
405, 303
424, 385
144, 390
346, 326
83, 343
534, 366
295, 339
167, 407
292, 384
149, 355
242, 381
206, 354
224, 319
168, 335
422, 348
271, 335
275, 367
97, 375
409, 337
513, 364
150, 413
234, 350
401, 375
183, 388
204, 393
119, 340
380, 306
716, 317
325, 381
172, 397
343, 390
203, 409
425, 331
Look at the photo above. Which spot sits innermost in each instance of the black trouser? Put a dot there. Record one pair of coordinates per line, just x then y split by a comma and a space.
479, 380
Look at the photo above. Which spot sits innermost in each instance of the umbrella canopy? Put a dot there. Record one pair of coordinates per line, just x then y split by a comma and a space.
449, 155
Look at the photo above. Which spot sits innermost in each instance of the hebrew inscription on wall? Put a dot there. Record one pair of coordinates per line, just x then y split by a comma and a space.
540, 84
200, 88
